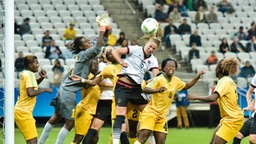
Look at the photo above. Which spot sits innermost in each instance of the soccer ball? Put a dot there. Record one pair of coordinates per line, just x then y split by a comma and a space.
149, 26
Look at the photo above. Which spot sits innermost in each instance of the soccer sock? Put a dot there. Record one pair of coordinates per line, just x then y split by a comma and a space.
133, 140
46, 131
124, 138
137, 142
236, 140
117, 128
151, 139
89, 136
62, 135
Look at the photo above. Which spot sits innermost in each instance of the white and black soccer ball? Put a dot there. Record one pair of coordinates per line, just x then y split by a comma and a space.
149, 26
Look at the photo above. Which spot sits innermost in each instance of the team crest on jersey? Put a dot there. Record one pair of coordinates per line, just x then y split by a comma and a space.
119, 100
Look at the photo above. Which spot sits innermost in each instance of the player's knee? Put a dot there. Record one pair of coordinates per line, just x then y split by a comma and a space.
69, 124
239, 135
252, 140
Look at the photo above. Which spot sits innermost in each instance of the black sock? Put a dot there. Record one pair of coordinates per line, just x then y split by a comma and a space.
89, 136
236, 140
117, 126
124, 138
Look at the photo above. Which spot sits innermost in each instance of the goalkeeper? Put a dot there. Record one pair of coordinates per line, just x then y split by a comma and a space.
65, 101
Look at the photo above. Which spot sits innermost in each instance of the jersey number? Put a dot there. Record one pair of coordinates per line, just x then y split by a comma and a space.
135, 113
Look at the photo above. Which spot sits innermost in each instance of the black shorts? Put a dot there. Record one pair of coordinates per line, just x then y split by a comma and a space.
103, 111
253, 125
125, 93
245, 130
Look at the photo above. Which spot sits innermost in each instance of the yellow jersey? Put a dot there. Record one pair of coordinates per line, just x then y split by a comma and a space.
26, 103
90, 97
111, 71
160, 102
70, 34
228, 100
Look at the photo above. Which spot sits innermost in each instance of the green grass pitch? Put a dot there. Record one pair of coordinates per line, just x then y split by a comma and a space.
175, 136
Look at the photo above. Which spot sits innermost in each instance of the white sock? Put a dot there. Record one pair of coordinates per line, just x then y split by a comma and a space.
46, 131
116, 141
62, 135
151, 139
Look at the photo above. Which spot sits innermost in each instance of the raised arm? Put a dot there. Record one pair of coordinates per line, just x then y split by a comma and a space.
194, 80
42, 74
117, 55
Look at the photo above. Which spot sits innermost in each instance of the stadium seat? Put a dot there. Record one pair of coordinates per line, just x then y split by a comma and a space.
73, 7
57, 2
46, 26
201, 67
86, 7
34, 50
243, 56
93, 2
59, 25
40, 55
81, 20
22, 49
77, 13
55, 19
27, 37
47, 7
22, 7
42, 19
35, 7
32, 2
70, 62
47, 68
67, 19
89, 13
19, 43
98, 7
26, 13
229, 54
31, 43
194, 63
51, 13
69, 2
64, 13
17, 37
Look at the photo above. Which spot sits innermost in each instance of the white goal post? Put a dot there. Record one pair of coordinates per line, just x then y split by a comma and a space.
9, 71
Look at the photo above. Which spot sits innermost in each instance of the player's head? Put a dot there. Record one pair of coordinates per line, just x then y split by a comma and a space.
226, 67
80, 43
103, 53
31, 63
110, 57
169, 66
94, 66
151, 46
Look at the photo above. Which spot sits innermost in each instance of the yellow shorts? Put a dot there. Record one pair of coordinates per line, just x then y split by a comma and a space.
228, 131
113, 109
82, 120
151, 122
26, 123
133, 113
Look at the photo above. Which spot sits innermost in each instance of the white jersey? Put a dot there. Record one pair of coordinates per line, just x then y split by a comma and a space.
138, 64
106, 93
253, 84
